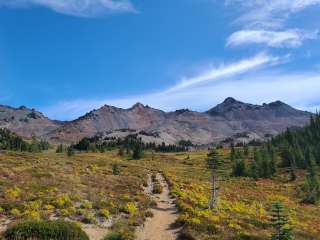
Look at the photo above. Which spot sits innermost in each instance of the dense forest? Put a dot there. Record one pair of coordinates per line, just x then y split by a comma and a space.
11, 141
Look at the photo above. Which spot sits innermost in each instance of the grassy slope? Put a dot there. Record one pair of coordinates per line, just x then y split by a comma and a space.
40, 185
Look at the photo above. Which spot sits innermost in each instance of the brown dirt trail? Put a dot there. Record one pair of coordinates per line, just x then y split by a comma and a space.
160, 226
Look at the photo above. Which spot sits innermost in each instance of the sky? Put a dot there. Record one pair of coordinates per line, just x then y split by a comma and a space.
65, 58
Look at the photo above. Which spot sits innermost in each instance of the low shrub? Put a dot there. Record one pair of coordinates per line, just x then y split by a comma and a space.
130, 208
104, 213
38, 230
62, 201
87, 205
89, 218
114, 236
121, 231
186, 235
15, 212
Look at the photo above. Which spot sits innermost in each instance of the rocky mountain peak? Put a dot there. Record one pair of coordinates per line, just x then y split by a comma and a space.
278, 104
230, 100
138, 105
228, 105
225, 120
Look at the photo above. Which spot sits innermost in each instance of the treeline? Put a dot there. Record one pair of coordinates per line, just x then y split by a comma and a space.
262, 165
297, 148
129, 143
300, 149
11, 141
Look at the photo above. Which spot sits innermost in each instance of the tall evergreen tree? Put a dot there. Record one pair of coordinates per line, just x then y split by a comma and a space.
137, 152
239, 168
60, 148
312, 182
280, 223
232, 153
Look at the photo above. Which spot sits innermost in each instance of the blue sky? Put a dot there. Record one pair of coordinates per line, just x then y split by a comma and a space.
68, 57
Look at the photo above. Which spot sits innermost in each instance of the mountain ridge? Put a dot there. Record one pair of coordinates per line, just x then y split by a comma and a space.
226, 119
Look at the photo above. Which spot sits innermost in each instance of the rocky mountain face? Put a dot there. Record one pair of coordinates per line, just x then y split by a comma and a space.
228, 119
26, 122
108, 118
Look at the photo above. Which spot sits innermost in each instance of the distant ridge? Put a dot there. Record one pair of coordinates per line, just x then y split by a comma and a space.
227, 119
26, 122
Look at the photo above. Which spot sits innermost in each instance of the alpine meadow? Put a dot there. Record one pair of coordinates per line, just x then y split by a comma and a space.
159, 120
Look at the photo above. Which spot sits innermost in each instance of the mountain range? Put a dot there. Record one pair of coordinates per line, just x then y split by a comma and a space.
231, 118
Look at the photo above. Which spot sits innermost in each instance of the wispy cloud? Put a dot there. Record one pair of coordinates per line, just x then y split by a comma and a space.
260, 87
261, 59
272, 13
277, 39
80, 8
264, 22
197, 92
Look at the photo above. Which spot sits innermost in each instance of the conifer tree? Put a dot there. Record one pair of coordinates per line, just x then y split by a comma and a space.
121, 152
60, 149
70, 151
232, 153
312, 182
255, 165
293, 175
137, 152
246, 150
280, 223
239, 168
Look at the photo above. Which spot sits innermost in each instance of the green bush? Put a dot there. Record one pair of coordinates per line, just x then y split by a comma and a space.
53, 230
114, 236
121, 231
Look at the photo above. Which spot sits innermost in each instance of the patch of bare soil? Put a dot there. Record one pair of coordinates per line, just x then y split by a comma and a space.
95, 232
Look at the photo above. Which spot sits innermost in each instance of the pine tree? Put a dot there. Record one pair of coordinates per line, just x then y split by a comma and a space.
246, 150
60, 149
70, 151
287, 156
137, 152
312, 182
239, 168
280, 223
293, 175
213, 157
232, 153
121, 152
255, 165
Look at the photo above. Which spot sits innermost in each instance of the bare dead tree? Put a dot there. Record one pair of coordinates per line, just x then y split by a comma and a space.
213, 159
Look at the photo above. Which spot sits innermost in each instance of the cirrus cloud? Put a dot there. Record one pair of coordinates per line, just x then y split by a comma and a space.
207, 87
277, 39
79, 8
266, 22
268, 14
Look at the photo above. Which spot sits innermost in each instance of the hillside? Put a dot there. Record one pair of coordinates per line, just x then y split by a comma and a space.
85, 188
